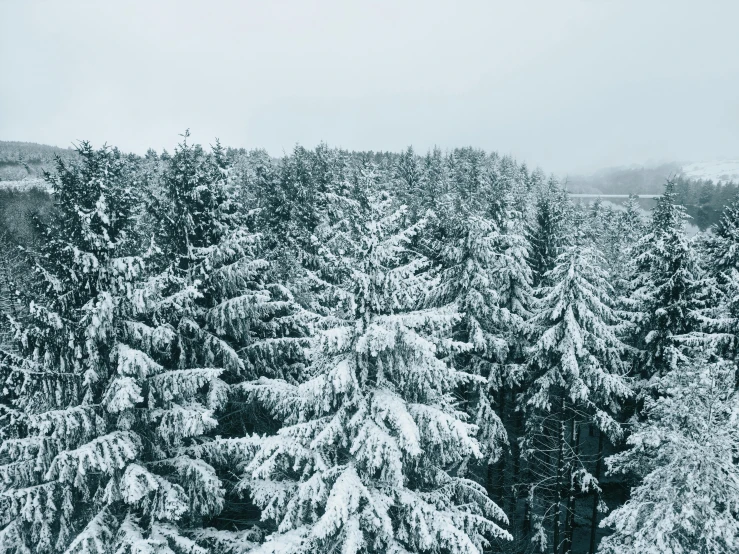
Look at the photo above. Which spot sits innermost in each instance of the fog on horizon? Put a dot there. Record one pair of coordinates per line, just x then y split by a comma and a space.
566, 85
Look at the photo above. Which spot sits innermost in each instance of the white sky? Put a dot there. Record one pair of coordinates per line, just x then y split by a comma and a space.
565, 84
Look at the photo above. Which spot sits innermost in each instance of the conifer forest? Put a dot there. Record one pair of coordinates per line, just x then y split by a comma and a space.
218, 351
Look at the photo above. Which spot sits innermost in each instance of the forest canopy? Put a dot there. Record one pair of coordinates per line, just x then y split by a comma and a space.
218, 351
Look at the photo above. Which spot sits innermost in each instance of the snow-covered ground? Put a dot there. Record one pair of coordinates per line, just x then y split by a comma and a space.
718, 171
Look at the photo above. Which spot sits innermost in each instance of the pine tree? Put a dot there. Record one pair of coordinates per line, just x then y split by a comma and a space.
684, 455
410, 182
438, 180
577, 370
510, 194
471, 177
192, 207
514, 279
722, 260
468, 261
312, 220
12, 270
230, 314
630, 226
548, 232
366, 458
724, 243
485, 276
668, 292
90, 454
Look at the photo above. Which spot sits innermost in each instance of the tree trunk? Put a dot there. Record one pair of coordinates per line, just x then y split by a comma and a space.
500, 486
558, 487
489, 478
594, 517
526, 524
518, 527
570, 516
490, 473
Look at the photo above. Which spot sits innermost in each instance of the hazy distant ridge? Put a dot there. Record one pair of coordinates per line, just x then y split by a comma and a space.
651, 179
28, 160
718, 171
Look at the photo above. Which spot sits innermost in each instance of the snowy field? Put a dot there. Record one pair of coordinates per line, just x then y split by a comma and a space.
717, 171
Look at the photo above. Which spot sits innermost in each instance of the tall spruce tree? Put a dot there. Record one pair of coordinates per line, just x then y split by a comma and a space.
684, 454
548, 232
230, 314
722, 260
367, 458
513, 283
90, 454
630, 225
468, 260
668, 292
312, 220
577, 376
484, 275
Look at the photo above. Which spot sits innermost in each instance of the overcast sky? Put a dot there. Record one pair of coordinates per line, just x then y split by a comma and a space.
564, 84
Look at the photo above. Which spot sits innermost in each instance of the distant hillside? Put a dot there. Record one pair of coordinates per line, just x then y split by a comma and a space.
651, 180
24, 160
624, 180
725, 171
704, 188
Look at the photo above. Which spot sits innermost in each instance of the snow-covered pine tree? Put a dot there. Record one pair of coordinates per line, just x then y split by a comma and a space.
338, 235
632, 222
12, 272
536, 180
513, 283
90, 454
548, 232
467, 256
668, 292
240, 317
485, 273
251, 171
507, 195
438, 181
193, 264
723, 245
722, 261
371, 443
229, 313
471, 178
482, 249
621, 236
596, 220
313, 213
601, 224
251, 314
410, 182
506, 207
577, 375
684, 454
192, 207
